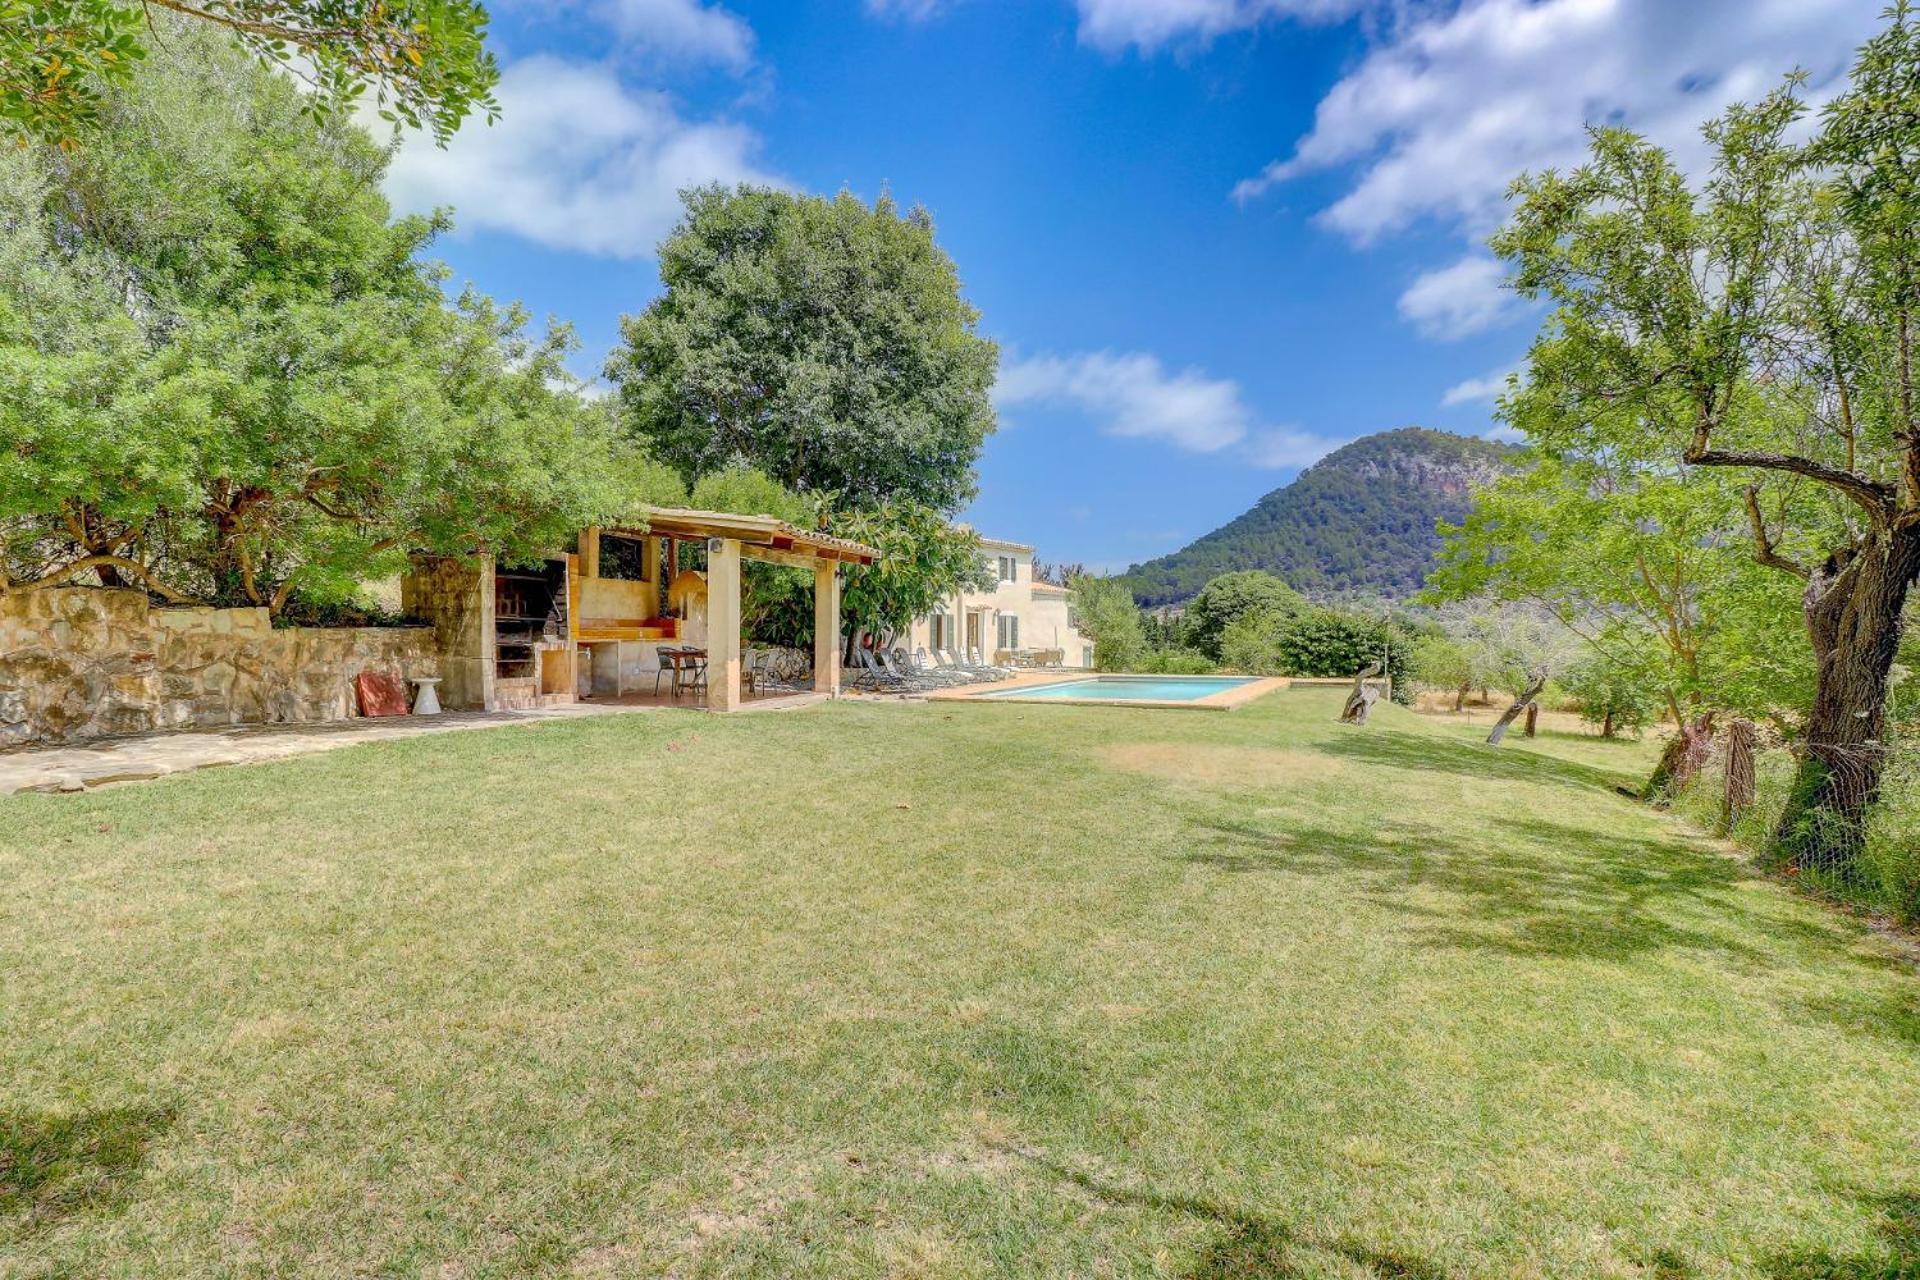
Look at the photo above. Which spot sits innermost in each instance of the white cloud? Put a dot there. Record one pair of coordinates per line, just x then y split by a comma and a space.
907, 10
1505, 435
1149, 25
686, 30
1482, 390
1456, 301
1279, 448
1455, 101
1134, 396
578, 161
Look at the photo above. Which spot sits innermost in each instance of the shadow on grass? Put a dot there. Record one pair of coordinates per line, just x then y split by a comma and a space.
1897, 1258
1248, 1246
1430, 753
55, 1167
1531, 889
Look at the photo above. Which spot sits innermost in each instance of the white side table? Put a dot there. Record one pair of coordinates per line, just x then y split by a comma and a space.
425, 702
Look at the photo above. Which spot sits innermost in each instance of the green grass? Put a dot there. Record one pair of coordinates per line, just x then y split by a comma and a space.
899, 990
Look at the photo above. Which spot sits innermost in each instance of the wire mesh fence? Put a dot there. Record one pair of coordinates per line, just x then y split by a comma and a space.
1858, 809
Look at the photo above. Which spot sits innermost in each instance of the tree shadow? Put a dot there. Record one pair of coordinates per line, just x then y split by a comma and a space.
57, 1166
1897, 1258
1534, 889
1247, 1245
1892, 1017
1424, 753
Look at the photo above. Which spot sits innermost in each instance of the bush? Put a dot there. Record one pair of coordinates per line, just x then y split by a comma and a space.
1228, 598
1318, 642
1175, 662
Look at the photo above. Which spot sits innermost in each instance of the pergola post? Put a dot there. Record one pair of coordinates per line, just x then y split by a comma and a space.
723, 624
826, 628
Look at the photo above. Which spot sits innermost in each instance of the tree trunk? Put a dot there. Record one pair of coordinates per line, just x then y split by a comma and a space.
1853, 608
1687, 751
1606, 724
1533, 720
1460, 697
1520, 704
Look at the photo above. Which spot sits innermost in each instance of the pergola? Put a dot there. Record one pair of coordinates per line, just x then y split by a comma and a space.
729, 538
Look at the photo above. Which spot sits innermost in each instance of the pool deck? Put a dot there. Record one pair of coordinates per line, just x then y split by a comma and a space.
1008, 691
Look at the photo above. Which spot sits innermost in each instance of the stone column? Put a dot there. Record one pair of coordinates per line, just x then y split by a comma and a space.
723, 624
826, 628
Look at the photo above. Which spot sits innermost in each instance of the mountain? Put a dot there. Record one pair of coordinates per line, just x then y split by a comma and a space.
1359, 521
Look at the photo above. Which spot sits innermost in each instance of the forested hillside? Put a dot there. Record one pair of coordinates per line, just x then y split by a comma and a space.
1360, 520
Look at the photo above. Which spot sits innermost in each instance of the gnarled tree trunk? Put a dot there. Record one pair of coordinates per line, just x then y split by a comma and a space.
1686, 753
1360, 702
1738, 797
1853, 606
1520, 704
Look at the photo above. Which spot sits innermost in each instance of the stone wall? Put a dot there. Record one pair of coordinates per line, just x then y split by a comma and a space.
83, 662
455, 597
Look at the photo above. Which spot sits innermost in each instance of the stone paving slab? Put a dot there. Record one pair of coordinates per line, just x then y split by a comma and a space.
153, 755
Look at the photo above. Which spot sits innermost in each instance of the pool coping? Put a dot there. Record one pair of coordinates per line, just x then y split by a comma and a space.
1006, 691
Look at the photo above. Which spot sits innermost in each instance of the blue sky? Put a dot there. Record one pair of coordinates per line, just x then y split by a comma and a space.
1214, 238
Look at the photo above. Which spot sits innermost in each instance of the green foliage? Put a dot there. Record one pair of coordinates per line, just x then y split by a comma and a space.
1319, 642
1107, 614
1612, 695
821, 341
1760, 323
1175, 662
924, 560
1442, 662
1362, 519
1649, 566
425, 61
225, 374
747, 491
1229, 597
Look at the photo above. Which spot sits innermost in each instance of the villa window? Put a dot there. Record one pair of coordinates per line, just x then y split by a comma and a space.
1007, 626
1008, 569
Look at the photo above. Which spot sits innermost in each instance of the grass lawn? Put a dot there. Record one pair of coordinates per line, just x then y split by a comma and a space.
892, 990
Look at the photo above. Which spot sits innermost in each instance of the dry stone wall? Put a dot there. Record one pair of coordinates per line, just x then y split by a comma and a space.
86, 662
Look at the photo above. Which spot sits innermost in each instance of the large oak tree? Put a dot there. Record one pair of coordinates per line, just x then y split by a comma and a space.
823, 342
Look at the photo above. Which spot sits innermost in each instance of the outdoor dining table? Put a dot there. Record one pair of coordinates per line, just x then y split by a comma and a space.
688, 667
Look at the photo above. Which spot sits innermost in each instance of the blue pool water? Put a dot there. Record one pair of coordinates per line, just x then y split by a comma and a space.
1130, 688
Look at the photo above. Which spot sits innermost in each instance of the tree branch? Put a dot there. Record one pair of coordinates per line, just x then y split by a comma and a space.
1764, 549
1878, 499
121, 563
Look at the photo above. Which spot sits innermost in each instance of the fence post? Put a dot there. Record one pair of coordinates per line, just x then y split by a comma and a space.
1738, 796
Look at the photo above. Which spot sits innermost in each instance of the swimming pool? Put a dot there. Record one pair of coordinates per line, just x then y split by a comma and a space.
1212, 693
1130, 688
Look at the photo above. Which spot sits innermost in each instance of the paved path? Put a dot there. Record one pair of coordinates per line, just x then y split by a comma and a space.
153, 755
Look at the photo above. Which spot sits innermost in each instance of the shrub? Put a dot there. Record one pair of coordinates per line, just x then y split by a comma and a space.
1175, 662
1318, 642
1228, 598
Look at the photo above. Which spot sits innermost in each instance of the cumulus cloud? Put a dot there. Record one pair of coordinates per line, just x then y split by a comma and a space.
578, 161
1482, 390
1148, 25
686, 30
1455, 101
1460, 300
1134, 396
